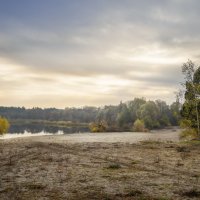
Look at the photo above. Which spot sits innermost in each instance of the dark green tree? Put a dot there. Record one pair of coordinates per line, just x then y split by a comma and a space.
134, 107
123, 117
149, 113
191, 106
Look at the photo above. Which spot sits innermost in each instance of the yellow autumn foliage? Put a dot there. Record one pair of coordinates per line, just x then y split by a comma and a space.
4, 125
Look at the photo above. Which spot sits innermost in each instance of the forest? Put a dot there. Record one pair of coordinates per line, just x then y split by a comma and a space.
154, 114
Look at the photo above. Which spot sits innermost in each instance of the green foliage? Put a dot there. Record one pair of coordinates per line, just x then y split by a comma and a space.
4, 125
189, 133
76, 115
175, 113
154, 114
185, 123
108, 114
138, 126
149, 114
191, 107
123, 116
163, 113
134, 107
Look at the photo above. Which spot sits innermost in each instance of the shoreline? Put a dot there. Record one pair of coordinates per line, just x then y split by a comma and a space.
107, 137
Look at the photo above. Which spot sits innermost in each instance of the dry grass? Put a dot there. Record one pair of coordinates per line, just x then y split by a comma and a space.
150, 170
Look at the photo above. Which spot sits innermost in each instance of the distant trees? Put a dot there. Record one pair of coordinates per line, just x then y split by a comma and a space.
108, 114
134, 107
4, 125
154, 114
191, 107
82, 115
123, 116
149, 113
175, 109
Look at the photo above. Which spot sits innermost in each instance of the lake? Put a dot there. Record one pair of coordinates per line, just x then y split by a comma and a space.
43, 128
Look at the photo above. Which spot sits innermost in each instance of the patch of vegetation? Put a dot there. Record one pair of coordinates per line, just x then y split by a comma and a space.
189, 133
7, 189
134, 193
98, 127
4, 125
35, 186
192, 142
134, 162
139, 195
162, 198
139, 126
190, 110
114, 166
182, 149
151, 142
191, 193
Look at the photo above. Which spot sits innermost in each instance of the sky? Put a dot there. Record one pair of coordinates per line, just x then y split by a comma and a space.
73, 53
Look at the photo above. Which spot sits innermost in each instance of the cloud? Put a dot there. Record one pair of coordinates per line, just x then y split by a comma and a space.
103, 48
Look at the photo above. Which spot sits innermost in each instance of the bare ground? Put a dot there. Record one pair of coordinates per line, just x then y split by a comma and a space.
31, 170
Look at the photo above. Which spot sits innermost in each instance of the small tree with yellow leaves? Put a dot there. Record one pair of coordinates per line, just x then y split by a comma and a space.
4, 125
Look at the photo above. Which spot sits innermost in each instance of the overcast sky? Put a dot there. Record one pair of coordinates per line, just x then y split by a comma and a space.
60, 53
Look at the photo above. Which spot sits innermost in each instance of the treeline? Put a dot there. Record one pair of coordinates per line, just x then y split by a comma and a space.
78, 115
154, 114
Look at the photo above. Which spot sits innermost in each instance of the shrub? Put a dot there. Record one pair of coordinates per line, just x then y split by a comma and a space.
4, 125
185, 123
114, 166
98, 127
189, 133
138, 126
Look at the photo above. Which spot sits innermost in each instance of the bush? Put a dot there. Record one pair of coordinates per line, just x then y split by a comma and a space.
189, 133
4, 125
138, 126
185, 123
114, 166
98, 127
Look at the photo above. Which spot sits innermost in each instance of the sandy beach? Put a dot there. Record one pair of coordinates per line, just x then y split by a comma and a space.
107, 137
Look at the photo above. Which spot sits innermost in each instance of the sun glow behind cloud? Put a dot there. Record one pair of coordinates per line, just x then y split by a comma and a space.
155, 57
32, 89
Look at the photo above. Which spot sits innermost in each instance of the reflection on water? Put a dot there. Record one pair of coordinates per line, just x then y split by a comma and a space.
38, 128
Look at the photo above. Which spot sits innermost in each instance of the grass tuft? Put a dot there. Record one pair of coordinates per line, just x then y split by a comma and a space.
114, 166
191, 193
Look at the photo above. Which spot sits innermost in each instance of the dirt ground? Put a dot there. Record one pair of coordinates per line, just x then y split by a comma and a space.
31, 170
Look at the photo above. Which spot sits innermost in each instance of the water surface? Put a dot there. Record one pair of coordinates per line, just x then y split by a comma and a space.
45, 128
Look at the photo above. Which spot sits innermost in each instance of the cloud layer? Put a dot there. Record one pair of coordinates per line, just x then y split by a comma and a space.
75, 53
